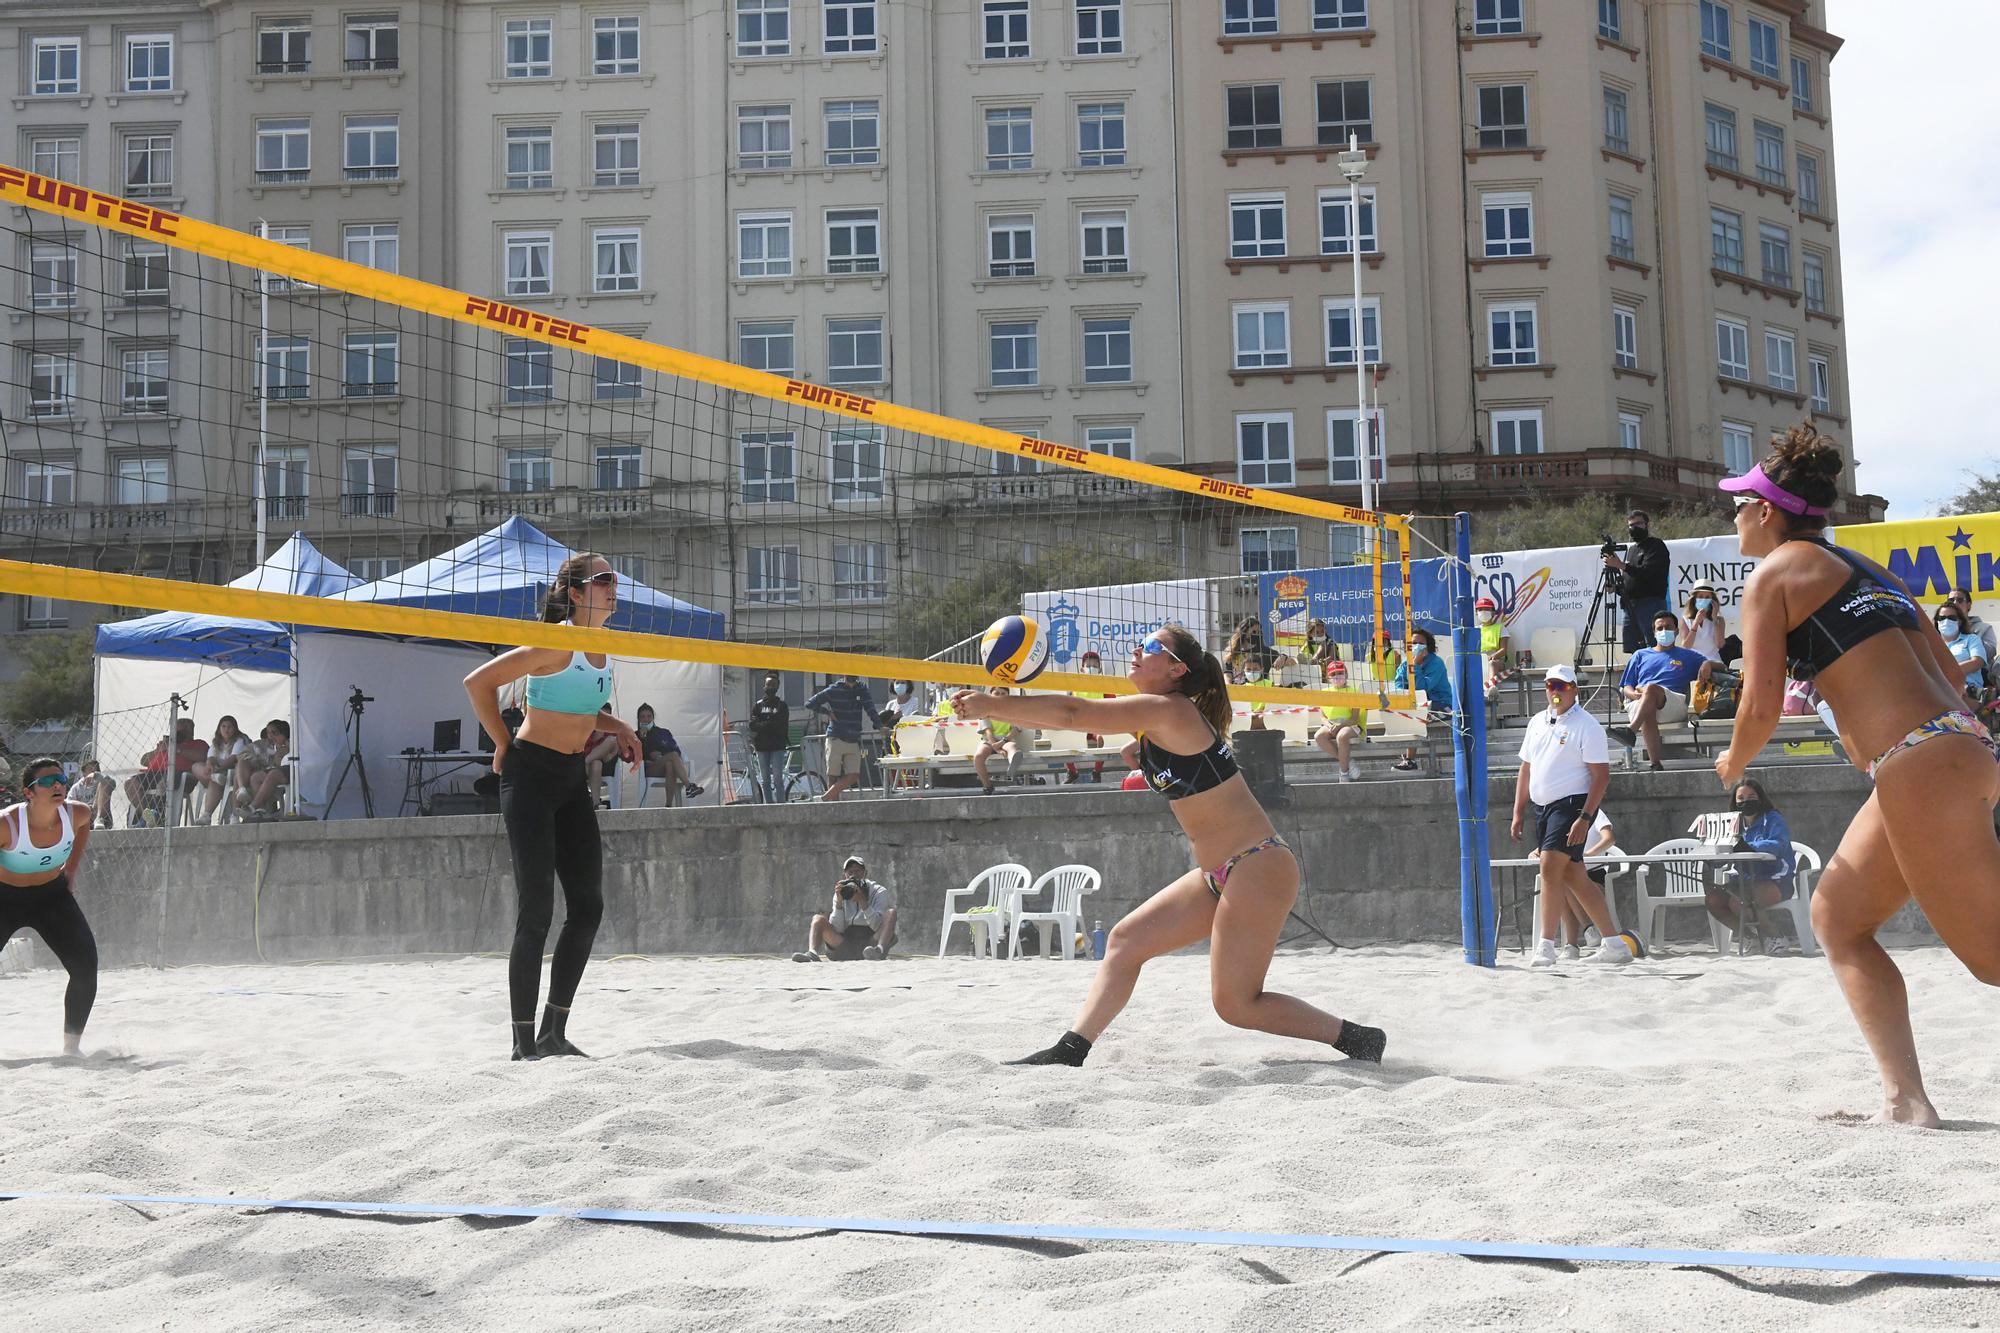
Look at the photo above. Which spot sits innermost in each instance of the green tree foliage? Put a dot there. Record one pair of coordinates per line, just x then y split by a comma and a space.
55, 681
1584, 521
933, 614
1981, 495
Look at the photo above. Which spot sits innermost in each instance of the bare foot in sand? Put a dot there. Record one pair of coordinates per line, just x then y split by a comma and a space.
1916, 1111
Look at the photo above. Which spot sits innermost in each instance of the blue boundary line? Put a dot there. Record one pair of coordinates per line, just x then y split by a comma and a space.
1825, 1263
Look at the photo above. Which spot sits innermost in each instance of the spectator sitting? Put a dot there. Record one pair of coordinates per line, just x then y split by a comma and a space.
1760, 828
1343, 726
770, 737
1090, 665
146, 789
861, 923
902, 707
1703, 626
1656, 686
1964, 645
219, 769
261, 773
1257, 671
600, 761
93, 788
844, 701
1319, 648
1000, 738
661, 754
1962, 599
1247, 639
1493, 645
1424, 670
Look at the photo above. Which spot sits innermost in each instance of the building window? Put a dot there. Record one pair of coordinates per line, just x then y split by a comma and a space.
1339, 15
1625, 337
58, 158
764, 245
613, 381
51, 276
527, 49
47, 485
618, 467
1112, 441
763, 28
1736, 447
287, 482
850, 27
1622, 243
1725, 240
769, 471
1617, 130
769, 345
1014, 353
1340, 331
1763, 46
1100, 27
1010, 138
530, 257
1610, 23
1335, 234
368, 478
374, 568
284, 370
614, 154
1820, 369
1781, 361
143, 276
1809, 184
373, 145
1107, 350
1255, 116
1496, 18
149, 63
1344, 110
854, 240
373, 42
1510, 335
1104, 234
771, 574
1257, 227
1264, 448
1515, 431
58, 63
1343, 455
764, 136
1509, 224
144, 481
1263, 335
1247, 18
1004, 28
1815, 281
1802, 84
1715, 29
858, 572
531, 157
529, 470
1770, 143
614, 45
530, 371
1010, 245
1503, 115
1721, 133
370, 364
299, 237
1774, 244
284, 150
1732, 350
1629, 431
149, 165
1100, 134
853, 133
854, 352
614, 264
854, 463
373, 244
51, 384
1264, 550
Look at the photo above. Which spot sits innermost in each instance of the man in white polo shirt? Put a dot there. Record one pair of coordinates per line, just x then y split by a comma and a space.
1565, 770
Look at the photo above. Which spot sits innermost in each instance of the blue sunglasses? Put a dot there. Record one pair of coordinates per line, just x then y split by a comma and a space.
50, 780
1153, 648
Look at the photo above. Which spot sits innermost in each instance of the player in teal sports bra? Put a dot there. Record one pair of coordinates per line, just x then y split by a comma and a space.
1180, 714
545, 800
42, 841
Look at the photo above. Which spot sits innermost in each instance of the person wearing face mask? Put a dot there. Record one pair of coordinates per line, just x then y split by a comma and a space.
1965, 646
1962, 599
1656, 685
1423, 670
1759, 828
1318, 647
1090, 665
1702, 627
770, 737
1493, 645
1639, 577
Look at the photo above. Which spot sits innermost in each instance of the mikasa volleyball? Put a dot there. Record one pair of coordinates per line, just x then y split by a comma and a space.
1014, 650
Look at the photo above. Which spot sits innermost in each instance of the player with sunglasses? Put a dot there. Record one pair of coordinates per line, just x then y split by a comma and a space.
42, 842
1180, 715
545, 798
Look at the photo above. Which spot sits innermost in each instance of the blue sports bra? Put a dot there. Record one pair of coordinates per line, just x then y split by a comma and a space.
1178, 776
22, 857
578, 688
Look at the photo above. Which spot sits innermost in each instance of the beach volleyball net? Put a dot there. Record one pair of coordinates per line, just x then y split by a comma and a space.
182, 397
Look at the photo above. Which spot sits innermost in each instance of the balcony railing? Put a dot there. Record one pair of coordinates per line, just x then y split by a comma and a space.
283, 66
286, 176
284, 506
369, 504
373, 62
387, 173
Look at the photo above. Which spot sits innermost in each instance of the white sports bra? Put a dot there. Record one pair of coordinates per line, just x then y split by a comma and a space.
22, 857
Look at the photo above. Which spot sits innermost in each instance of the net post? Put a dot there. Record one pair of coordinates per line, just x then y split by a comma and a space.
1477, 924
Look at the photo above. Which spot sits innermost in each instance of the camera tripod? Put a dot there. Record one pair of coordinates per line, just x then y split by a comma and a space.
357, 703
1602, 604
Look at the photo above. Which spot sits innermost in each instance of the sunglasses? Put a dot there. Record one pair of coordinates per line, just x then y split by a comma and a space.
1558, 686
1153, 648
607, 579
50, 780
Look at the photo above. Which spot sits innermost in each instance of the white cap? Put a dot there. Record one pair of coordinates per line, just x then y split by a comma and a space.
853, 861
1561, 671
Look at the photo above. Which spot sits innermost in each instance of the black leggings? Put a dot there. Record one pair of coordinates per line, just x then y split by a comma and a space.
552, 831
51, 911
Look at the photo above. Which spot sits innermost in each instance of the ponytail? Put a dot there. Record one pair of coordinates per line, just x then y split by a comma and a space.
1204, 681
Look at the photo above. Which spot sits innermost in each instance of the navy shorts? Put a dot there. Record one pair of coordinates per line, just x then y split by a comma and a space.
1552, 823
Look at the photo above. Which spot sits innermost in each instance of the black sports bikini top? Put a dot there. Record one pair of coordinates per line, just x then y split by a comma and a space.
1863, 607
1177, 776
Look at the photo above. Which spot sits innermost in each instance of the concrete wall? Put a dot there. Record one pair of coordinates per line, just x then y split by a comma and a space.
1381, 860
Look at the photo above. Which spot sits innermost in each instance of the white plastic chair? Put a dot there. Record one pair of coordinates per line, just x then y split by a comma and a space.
1799, 904
1067, 885
1681, 885
1002, 883
1551, 645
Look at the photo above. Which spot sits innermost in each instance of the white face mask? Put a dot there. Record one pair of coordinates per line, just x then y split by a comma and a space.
1418, 649
1948, 628
1704, 603
1485, 617
1664, 637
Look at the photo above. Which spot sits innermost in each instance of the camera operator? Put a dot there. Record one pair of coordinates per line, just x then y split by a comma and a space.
860, 924
1639, 577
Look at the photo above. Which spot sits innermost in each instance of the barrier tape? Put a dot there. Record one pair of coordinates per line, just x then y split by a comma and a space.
1476, 1249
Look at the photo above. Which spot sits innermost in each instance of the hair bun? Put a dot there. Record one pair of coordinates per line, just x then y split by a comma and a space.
1808, 453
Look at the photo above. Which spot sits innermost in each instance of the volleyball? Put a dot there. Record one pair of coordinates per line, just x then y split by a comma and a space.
1014, 650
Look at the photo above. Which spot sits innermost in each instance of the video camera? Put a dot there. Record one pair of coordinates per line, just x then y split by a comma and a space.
1610, 547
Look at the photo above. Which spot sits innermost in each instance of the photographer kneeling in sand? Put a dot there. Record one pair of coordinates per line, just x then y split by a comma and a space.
860, 924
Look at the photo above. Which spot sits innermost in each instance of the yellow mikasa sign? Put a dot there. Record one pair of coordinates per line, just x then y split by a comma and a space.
1934, 555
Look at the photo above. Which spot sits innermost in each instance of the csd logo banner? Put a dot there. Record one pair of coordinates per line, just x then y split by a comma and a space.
1932, 556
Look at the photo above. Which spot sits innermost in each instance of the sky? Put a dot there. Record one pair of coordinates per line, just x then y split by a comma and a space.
1916, 139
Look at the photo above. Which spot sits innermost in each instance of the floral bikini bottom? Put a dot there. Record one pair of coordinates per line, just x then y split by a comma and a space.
1957, 722
1220, 875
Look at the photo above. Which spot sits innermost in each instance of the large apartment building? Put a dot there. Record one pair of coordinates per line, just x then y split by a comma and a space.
1597, 239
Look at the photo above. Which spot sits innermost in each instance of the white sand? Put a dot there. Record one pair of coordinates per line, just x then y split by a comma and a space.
1688, 1102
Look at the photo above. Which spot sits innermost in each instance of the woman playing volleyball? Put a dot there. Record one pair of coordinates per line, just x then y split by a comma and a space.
1829, 615
545, 800
1181, 716
41, 849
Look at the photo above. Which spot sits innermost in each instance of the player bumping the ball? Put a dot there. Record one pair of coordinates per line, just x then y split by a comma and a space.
1246, 878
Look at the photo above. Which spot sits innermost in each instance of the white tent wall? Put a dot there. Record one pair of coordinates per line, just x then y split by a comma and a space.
131, 712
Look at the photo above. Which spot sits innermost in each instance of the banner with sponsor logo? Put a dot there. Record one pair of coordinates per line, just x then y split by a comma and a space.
1113, 620
1344, 597
1554, 588
1932, 556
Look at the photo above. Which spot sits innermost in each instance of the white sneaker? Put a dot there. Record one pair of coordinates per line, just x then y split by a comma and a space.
1592, 937
1347, 775
1543, 955
1352, 774
1620, 948
1570, 953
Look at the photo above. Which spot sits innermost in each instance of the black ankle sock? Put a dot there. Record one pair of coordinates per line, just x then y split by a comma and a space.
524, 1041
554, 1036
1068, 1050
1360, 1042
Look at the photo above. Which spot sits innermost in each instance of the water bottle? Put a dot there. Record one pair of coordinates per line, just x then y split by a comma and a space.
1097, 941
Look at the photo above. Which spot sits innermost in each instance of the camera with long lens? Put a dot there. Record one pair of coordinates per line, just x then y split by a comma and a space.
849, 887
